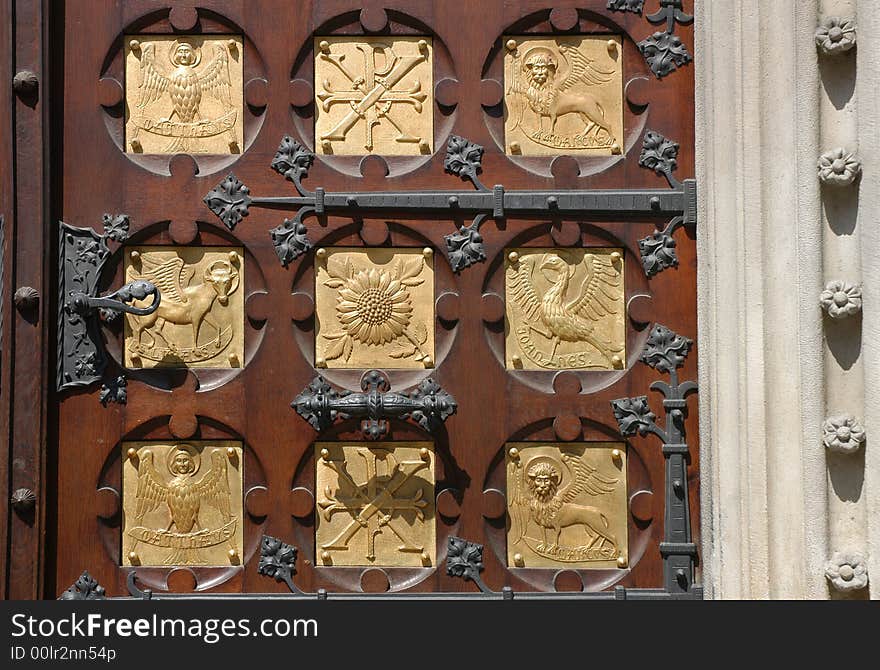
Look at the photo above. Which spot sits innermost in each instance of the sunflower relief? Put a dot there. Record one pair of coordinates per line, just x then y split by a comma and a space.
375, 308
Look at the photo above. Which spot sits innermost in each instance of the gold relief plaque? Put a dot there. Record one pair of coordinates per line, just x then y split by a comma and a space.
181, 503
375, 505
567, 505
375, 308
563, 95
565, 309
200, 320
374, 95
183, 94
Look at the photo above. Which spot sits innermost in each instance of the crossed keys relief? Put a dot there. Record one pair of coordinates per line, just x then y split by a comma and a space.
375, 506
371, 95
183, 94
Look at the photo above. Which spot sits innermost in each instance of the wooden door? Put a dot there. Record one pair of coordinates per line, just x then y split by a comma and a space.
487, 211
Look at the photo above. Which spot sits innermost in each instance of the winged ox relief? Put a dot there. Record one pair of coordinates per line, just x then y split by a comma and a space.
565, 309
183, 95
182, 504
563, 95
201, 322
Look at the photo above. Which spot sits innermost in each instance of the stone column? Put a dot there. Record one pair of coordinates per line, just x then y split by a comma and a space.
777, 503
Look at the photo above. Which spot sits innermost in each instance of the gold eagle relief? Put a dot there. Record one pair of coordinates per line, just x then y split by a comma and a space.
563, 95
565, 309
183, 94
200, 320
374, 308
567, 505
375, 506
182, 503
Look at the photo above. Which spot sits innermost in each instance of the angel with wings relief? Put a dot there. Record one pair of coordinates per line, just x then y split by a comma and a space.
545, 493
184, 86
184, 496
555, 81
558, 317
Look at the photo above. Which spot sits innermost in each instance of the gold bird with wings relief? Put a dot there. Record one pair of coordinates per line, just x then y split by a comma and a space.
199, 322
174, 91
567, 504
565, 309
173, 516
563, 95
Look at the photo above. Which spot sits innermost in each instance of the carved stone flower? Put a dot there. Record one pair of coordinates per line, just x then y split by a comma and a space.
836, 35
839, 167
847, 571
841, 299
843, 434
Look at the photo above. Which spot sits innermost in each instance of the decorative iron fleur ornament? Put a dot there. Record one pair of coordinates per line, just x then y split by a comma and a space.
839, 167
843, 434
836, 35
665, 53
841, 299
847, 571
634, 6
278, 560
85, 587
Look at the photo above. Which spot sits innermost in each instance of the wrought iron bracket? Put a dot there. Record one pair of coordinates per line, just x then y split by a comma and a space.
82, 253
666, 351
231, 200
427, 404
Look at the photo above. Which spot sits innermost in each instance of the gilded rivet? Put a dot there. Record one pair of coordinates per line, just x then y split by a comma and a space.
321, 253
136, 146
135, 45
428, 362
516, 360
513, 257
320, 363
425, 454
612, 46
518, 560
232, 44
132, 453
514, 453
616, 362
615, 256
425, 558
324, 46
233, 257
616, 149
621, 562
427, 252
133, 557
615, 454
134, 255
230, 451
511, 45
233, 554
326, 145
233, 360
423, 44
515, 148
325, 556
325, 454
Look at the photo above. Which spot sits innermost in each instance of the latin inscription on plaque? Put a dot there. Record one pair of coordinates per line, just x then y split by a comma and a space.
375, 505
181, 503
375, 308
200, 320
183, 94
563, 95
565, 309
374, 95
567, 505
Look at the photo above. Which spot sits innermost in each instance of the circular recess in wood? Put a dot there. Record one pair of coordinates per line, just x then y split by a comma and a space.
373, 19
491, 93
446, 92
374, 233
302, 93
257, 306
567, 581
183, 18
302, 502
641, 505
302, 306
374, 580
565, 171
183, 232
256, 501
566, 383
110, 92
639, 309
567, 427
494, 504
256, 92
183, 426
492, 307
373, 167
107, 502
564, 18
183, 168
447, 505
565, 233
448, 307
182, 580
638, 91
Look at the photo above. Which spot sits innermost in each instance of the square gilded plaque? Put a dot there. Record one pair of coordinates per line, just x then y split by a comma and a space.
563, 95
183, 94
565, 309
567, 505
200, 319
374, 308
182, 503
374, 95
375, 504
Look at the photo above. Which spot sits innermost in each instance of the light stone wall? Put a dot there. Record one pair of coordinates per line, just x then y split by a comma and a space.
783, 514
